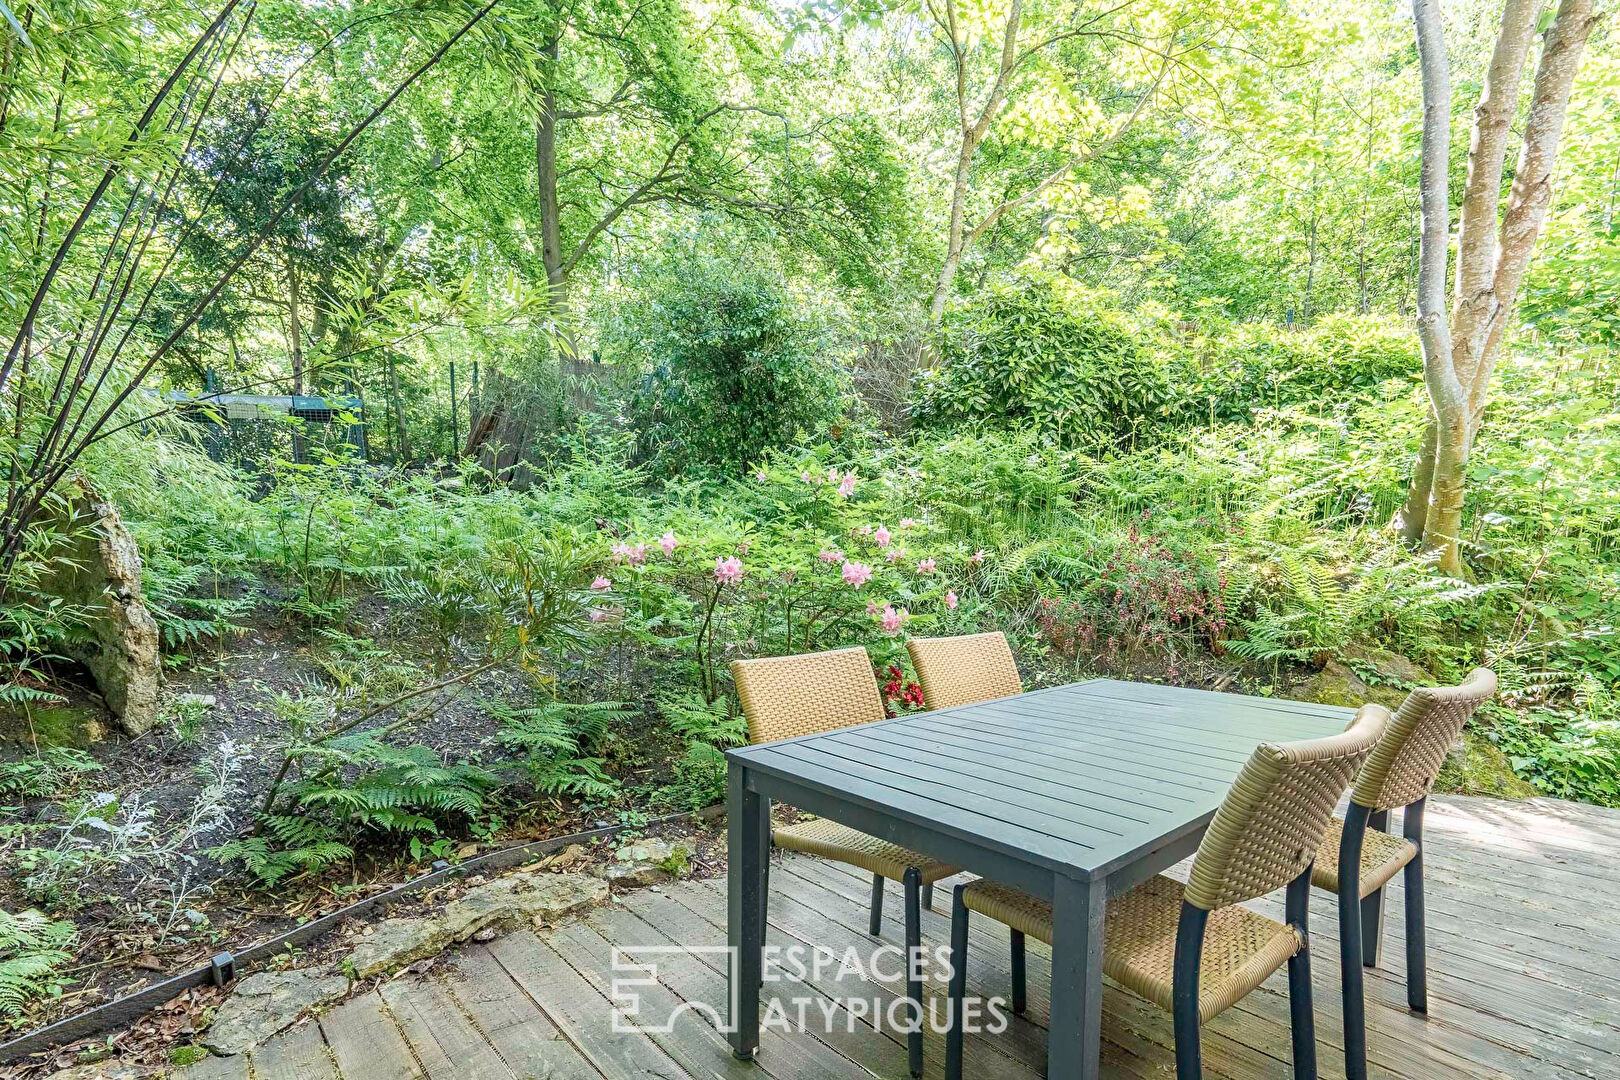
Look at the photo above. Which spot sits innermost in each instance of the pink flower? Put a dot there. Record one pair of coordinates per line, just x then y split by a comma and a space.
846, 487
601, 583
863, 530
830, 555
950, 599
872, 607
977, 556
742, 548
728, 571
599, 615
832, 476
892, 619
906, 523
926, 566
761, 476
620, 552
857, 574
669, 543
896, 554
806, 477
882, 536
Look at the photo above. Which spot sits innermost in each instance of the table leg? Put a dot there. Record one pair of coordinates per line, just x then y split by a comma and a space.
1074, 1046
748, 830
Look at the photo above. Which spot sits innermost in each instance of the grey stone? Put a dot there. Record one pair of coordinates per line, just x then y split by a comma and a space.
1390, 666
504, 903
650, 861
102, 573
264, 1003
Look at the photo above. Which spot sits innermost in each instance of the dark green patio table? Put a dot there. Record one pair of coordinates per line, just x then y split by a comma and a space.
1072, 793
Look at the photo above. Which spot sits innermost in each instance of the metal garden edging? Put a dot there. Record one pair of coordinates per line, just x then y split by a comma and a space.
223, 967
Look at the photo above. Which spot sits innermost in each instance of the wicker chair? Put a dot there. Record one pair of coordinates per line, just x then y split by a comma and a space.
1193, 949
1357, 858
964, 670
788, 696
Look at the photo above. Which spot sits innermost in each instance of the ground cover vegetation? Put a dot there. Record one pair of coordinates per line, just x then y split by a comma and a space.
681, 333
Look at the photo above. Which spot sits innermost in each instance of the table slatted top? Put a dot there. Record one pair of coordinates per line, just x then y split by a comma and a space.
1080, 779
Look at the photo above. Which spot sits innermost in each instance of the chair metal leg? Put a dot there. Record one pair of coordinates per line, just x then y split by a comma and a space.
1417, 961
764, 908
1350, 948
1302, 1017
1184, 994
958, 989
914, 1038
1019, 998
928, 896
876, 926
1372, 908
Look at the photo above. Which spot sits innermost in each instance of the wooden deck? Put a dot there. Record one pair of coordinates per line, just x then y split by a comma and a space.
1524, 983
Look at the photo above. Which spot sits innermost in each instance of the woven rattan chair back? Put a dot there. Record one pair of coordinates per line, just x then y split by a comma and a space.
787, 696
963, 670
1402, 767
1267, 831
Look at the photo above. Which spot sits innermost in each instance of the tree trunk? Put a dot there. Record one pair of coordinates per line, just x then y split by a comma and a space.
953, 238
1459, 355
1415, 513
545, 177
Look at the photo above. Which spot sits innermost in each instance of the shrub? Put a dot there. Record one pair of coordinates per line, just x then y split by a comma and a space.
1235, 371
1048, 355
737, 365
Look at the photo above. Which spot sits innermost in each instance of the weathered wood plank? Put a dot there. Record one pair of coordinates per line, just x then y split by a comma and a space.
366, 1043
299, 1054
578, 1011
445, 1042
525, 1038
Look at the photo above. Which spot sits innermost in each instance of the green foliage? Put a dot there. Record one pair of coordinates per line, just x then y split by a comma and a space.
736, 365
1047, 355
55, 771
33, 950
555, 739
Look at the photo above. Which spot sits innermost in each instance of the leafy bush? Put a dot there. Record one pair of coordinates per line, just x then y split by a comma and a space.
1237, 370
737, 365
1044, 353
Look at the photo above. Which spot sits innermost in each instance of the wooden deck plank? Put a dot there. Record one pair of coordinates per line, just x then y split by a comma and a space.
445, 1041
366, 1043
521, 1034
691, 980
1524, 982
578, 1011
299, 1054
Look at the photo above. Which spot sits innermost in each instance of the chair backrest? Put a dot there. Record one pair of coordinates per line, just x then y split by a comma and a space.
962, 670
786, 696
1266, 832
1402, 767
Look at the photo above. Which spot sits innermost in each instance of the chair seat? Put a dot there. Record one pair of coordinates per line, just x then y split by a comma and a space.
1382, 856
841, 843
1241, 948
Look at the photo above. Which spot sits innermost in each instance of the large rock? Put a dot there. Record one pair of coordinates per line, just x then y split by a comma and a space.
1390, 666
102, 573
649, 861
264, 1003
1336, 684
503, 903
